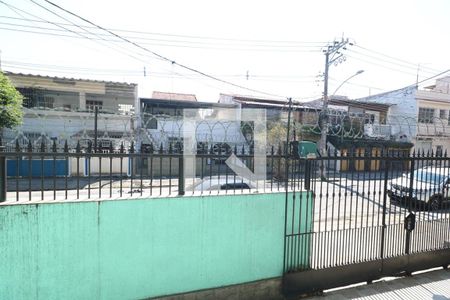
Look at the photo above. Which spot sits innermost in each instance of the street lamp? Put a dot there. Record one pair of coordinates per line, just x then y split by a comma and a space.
343, 82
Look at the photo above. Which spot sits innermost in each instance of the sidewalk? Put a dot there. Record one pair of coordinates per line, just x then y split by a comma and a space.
433, 284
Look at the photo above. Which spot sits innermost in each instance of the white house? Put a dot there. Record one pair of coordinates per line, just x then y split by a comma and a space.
422, 116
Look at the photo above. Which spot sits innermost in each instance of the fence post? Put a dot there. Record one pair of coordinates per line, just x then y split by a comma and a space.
383, 228
3, 174
410, 215
181, 175
307, 174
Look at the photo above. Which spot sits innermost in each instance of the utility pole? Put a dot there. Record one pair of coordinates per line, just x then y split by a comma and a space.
332, 56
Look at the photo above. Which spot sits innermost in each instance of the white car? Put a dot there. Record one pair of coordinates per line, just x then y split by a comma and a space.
222, 183
429, 185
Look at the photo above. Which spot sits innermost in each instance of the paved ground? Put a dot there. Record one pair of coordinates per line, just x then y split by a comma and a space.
433, 285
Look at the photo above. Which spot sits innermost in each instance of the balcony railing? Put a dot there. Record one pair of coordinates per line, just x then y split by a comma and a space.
378, 131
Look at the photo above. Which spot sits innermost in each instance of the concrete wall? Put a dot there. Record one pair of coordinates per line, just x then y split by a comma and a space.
133, 249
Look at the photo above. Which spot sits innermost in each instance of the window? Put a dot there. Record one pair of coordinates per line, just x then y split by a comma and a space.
36, 98
448, 117
369, 119
47, 102
426, 115
125, 108
92, 104
439, 150
442, 113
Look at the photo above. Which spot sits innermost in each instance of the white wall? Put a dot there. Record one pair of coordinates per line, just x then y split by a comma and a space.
402, 113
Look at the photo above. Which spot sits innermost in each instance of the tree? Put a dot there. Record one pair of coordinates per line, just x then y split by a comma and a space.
10, 104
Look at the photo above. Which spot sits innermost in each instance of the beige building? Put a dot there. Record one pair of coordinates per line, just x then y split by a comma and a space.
433, 117
59, 109
421, 116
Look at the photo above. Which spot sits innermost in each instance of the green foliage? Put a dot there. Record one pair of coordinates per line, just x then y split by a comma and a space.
10, 104
276, 134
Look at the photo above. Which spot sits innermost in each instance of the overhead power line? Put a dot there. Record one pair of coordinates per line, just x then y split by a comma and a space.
394, 58
293, 43
79, 35
382, 62
136, 72
159, 42
60, 33
155, 56
173, 62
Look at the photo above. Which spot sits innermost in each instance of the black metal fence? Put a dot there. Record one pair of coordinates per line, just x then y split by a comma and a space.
49, 173
387, 215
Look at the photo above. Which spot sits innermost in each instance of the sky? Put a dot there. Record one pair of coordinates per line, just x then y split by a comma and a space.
270, 49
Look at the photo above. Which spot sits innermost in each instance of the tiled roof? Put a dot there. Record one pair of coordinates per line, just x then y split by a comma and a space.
7, 73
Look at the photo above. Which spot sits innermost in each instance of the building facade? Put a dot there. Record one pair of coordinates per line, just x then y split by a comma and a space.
433, 117
420, 115
59, 109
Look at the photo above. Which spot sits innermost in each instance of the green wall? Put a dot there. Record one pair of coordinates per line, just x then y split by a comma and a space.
131, 249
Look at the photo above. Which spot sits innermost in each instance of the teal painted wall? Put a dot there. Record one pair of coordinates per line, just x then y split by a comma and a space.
131, 249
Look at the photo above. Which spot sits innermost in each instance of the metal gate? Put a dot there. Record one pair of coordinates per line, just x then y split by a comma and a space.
359, 217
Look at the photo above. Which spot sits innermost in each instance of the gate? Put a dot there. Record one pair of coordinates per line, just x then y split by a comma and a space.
366, 224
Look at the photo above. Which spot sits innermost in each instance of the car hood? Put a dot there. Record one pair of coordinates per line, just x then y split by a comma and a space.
404, 183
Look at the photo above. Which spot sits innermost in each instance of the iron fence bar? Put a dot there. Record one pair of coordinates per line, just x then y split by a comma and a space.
338, 249
18, 160
110, 176
67, 171
424, 214
160, 172
151, 173
78, 177
88, 165
100, 175
121, 171
210, 167
3, 177
141, 178
29, 175
352, 234
311, 197
286, 188
359, 200
446, 209
379, 212
42, 177
181, 179
170, 171
392, 236
54, 178
365, 194
271, 168
131, 168
411, 183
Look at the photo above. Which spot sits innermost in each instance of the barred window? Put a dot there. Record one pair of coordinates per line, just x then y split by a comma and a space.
92, 104
36, 98
426, 115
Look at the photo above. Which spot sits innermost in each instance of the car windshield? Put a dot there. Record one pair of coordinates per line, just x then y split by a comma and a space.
427, 176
